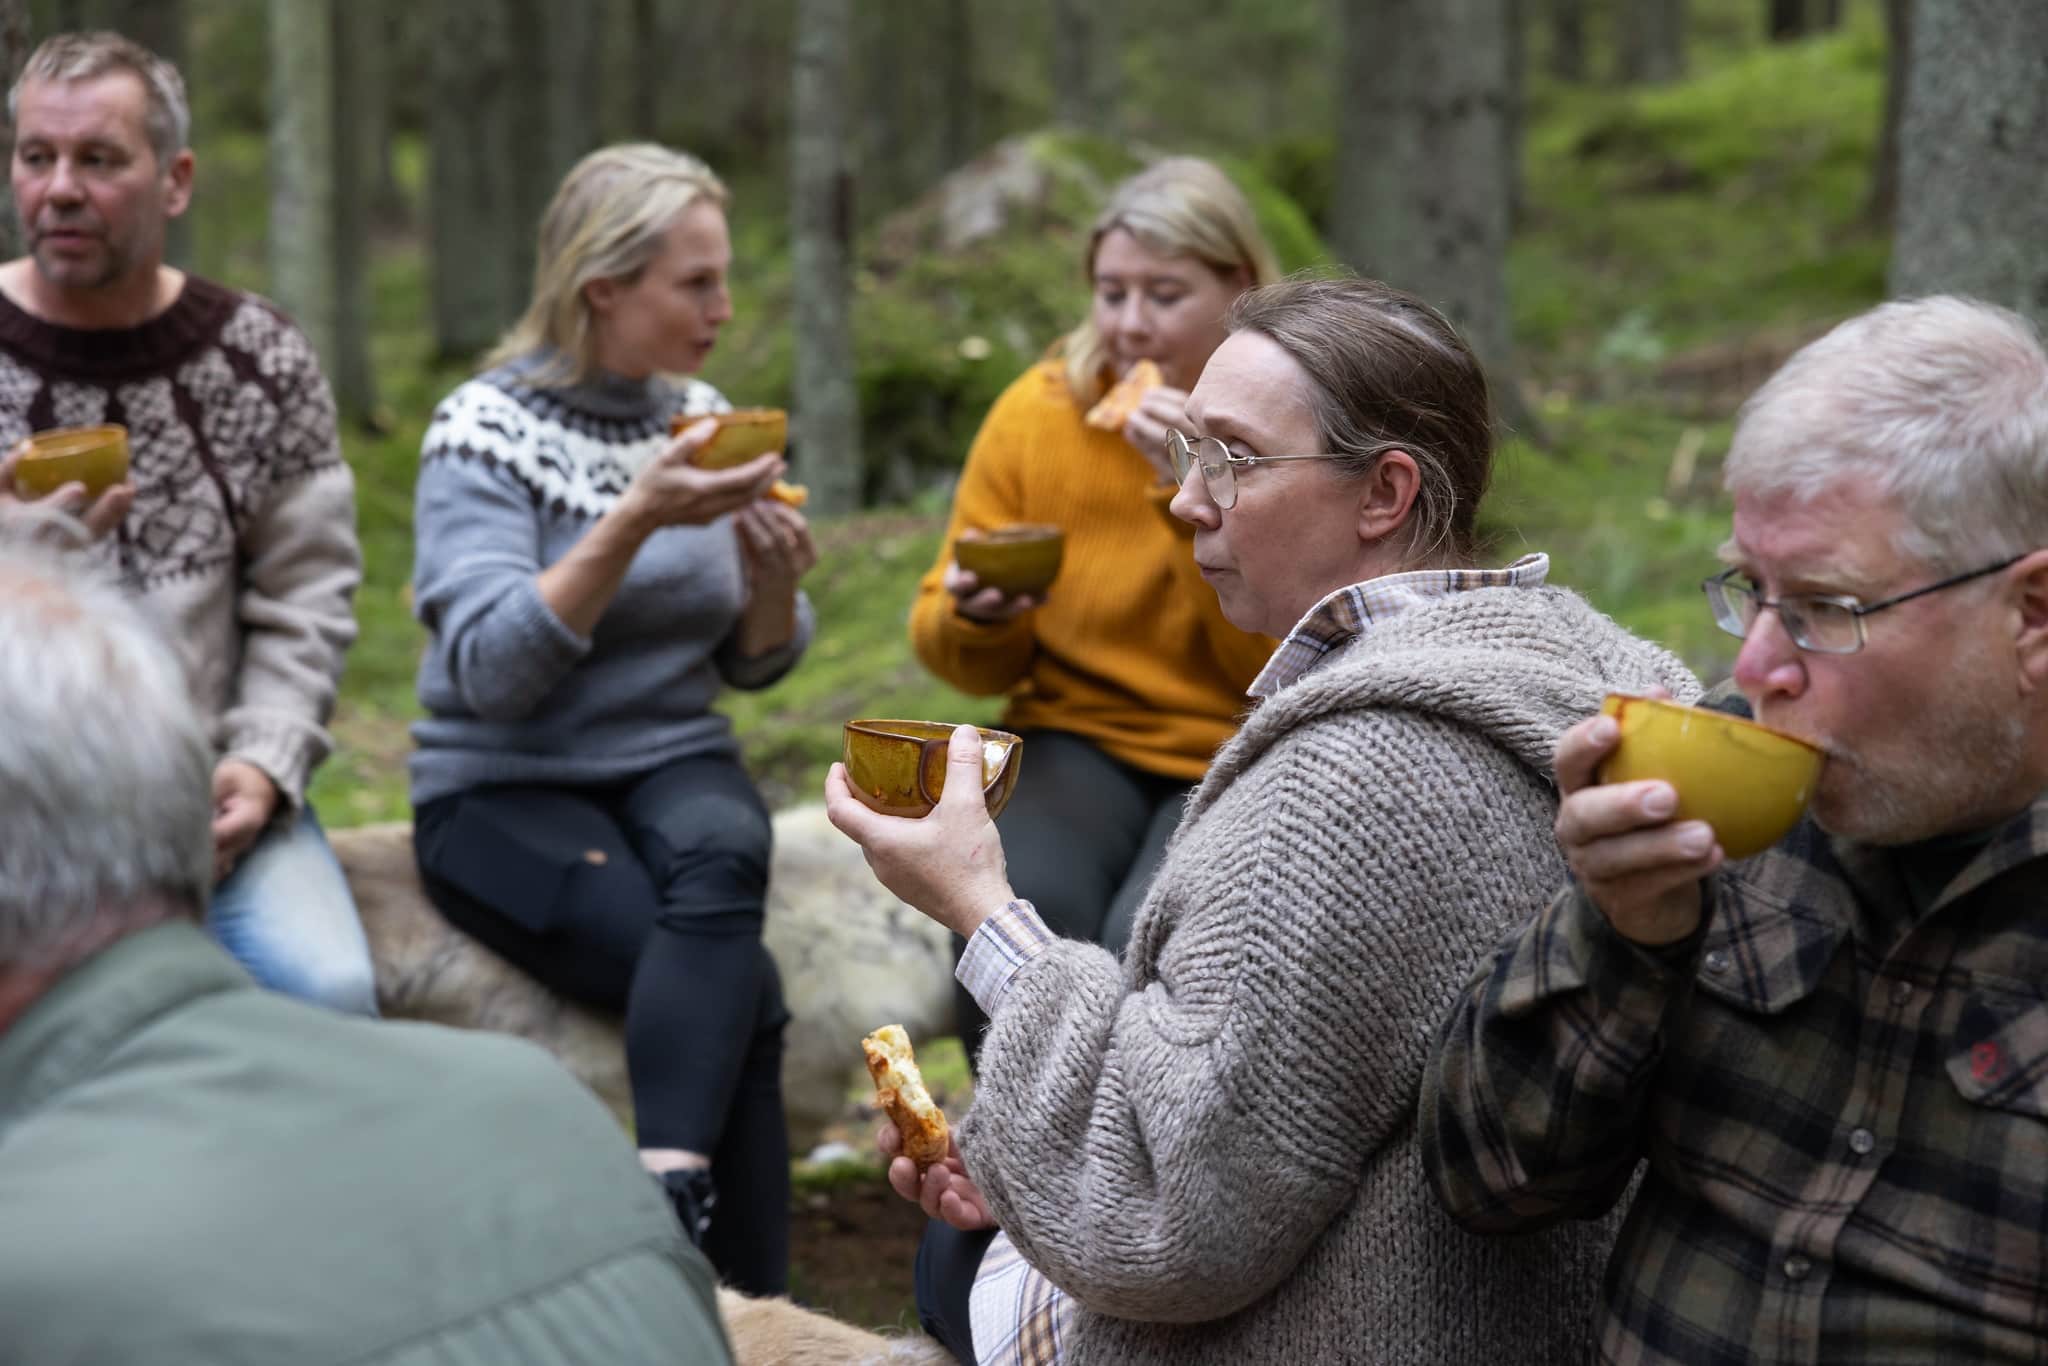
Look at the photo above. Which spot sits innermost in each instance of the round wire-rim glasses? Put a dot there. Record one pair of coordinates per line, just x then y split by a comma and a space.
1218, 463
1819, 623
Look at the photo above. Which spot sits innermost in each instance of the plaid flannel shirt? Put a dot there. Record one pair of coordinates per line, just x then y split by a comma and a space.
1844, 1107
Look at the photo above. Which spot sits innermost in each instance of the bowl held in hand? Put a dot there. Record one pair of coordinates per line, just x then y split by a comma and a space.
1021, 559
1747, 781
899, 767
96, 457
743, 434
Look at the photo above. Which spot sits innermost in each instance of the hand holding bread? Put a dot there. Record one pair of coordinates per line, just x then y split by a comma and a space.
900, 1093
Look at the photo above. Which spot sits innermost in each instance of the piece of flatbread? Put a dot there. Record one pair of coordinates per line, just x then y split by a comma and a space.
899, 1091
1124, 396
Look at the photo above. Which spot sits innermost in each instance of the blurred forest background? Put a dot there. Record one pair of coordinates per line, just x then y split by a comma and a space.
1636, 209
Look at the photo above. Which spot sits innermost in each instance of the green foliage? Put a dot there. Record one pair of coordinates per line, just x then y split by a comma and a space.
1666, 217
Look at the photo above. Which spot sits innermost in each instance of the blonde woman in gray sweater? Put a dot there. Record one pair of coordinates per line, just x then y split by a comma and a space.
1206, 1151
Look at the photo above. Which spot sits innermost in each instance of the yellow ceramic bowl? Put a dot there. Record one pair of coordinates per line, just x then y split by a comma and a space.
1022, 559
743, 434
899, 767
1749, 782
96, 457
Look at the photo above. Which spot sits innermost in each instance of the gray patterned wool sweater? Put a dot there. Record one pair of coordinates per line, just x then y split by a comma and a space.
510, 478
1211, 1145
242, 540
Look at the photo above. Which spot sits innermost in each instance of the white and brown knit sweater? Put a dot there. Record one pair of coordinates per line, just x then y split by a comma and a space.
242, 540
1211, 1146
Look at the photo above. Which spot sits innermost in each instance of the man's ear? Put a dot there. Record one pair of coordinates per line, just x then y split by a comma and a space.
178, 184
2030, 585
1386, 496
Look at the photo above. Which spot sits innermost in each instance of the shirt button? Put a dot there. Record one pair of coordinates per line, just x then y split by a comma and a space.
1796, 1267
1717, 961
1902, 992
1862, 1142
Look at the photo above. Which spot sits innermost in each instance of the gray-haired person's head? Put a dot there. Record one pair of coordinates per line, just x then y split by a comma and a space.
1386, 370
166, 115
1940, 404
105, 763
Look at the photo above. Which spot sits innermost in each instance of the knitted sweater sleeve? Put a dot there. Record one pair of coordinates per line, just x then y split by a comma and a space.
476, 569
974, 657
1169, 1146
751, 672
300, 567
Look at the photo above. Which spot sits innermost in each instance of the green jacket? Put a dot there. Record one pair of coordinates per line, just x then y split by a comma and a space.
193, 1170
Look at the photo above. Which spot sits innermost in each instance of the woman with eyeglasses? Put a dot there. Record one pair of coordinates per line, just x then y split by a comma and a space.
588, 593
1206, 1151
1124, 676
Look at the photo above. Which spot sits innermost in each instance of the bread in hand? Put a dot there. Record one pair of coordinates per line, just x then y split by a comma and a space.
1124, 396
899, 1090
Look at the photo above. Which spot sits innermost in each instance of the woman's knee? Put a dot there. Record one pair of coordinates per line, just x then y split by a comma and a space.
712, 850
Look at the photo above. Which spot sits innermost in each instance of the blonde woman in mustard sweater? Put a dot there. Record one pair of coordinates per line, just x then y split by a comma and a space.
1124, 676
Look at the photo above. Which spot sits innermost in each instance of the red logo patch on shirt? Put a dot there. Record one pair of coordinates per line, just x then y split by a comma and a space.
1986, 1062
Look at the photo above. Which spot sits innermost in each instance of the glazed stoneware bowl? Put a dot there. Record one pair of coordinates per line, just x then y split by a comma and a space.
742, 435
1022, 559
1749, 782
96, 457
899, 767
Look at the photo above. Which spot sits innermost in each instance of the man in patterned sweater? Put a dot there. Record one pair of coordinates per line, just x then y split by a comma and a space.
236, 530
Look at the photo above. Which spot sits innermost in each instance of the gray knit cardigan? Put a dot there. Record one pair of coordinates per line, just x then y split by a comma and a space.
1211, 1145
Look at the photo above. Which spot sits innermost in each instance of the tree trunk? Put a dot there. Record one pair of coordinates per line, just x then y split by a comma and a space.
474, 234
1786, 20
359, 117
962, 136
1652, 41
1973, 154
14, 50
1884, 178
302, 169
369, 41
555, 72
1419, 171
1080, 91
648, 67
1517, 107
1568, 40
892, 71
158, 25
827, 404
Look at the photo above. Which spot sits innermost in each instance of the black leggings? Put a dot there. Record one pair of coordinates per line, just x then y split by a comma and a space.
645, 899
947, 1263
1082, 836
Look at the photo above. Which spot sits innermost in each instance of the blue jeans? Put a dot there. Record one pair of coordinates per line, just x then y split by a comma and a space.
284, 911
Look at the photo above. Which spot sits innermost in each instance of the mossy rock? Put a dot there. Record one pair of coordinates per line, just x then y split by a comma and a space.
957, 293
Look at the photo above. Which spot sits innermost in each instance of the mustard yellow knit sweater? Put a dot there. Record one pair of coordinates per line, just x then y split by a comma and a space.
1129, 649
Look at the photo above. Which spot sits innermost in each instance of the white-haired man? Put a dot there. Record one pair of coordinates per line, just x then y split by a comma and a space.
193, 1170
237, 529
1834, 1055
